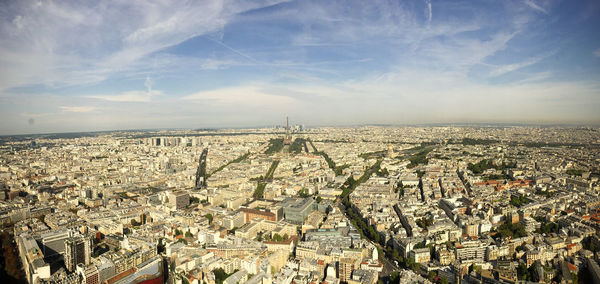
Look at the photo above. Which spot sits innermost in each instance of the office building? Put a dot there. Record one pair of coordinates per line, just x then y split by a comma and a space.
77, 250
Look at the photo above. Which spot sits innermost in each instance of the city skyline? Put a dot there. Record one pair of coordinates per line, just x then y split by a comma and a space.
73, 67
336, 205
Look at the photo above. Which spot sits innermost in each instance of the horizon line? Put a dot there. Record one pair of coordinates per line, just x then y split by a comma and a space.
432, 124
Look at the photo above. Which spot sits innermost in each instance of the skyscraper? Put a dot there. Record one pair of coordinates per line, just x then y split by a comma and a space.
346, 268
77, 250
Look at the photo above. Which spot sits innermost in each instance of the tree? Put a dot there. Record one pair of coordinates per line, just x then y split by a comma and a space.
410, 263
481, 166
221, 275
395, 254
277, 238
209, 217
188, 234
275, 145
522, 271
303, 193
432, 275
394, 278
380, 252
518, 201
260, 190
550, 227
511, 230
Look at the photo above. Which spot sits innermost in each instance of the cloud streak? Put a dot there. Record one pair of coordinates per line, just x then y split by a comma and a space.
129, 96
250, 96
535, 6
79, 109
429, 11
501, 70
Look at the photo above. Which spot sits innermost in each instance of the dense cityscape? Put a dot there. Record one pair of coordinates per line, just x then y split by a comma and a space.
299, 142
289, 204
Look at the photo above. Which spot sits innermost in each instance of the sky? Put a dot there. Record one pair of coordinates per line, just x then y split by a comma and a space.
69, 66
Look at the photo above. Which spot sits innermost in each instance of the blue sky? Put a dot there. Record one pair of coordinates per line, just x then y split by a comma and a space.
102, 65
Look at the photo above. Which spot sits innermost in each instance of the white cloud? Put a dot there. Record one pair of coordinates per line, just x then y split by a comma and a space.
252, 96
18, 22
103, 40
215, 64
462, 53
418, 70
535, 6
597, 52
130, 96
429, 11
503, 69
410, 96
148, 84
77, 108
397, 97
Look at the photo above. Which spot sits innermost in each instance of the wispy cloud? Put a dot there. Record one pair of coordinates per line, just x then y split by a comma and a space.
215, 64
597, 52
101, 42
535, 6
129, 96
441, 94
250, 95
429, 11
77, 108
148, 84
252, 59
503, 69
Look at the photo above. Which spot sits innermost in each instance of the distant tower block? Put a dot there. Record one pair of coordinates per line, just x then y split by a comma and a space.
77, 251
288, 138
390, 152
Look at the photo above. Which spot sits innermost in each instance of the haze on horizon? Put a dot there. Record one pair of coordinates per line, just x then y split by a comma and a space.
86, 65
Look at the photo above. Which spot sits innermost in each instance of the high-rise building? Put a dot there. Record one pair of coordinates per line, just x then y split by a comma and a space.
346, 268
179, 199
77, 250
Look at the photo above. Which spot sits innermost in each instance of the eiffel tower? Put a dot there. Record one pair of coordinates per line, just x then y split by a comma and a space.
288, 137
